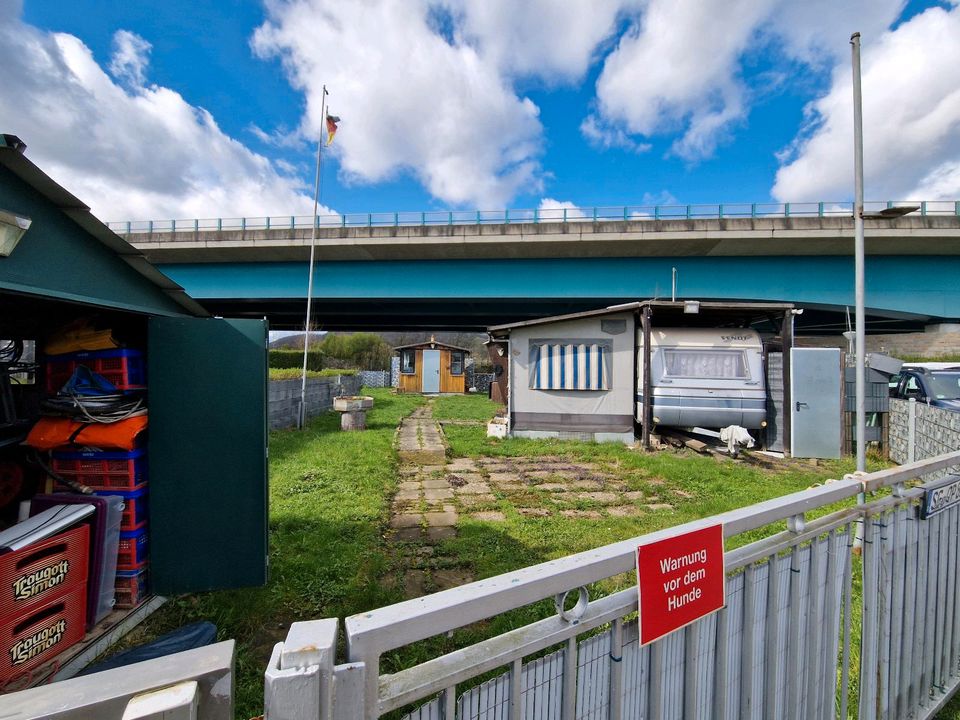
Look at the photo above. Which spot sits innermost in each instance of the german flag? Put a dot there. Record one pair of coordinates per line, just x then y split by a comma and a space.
332, 121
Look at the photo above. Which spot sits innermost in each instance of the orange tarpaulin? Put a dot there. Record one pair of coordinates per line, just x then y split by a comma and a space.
53, 432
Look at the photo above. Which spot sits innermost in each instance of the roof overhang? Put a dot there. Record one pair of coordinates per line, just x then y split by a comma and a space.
14, 161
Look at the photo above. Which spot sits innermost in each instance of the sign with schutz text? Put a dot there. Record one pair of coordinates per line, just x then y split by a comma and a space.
680, 580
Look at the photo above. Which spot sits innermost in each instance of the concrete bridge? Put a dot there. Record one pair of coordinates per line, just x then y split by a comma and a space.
451, 271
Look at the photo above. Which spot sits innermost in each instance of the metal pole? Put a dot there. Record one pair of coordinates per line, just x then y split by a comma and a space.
861, 344
313, 242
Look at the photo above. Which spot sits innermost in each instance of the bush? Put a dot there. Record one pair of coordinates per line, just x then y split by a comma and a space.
294, 359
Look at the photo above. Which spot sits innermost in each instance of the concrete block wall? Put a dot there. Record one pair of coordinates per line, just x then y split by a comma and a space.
924, 344
284, 397
936, 431
375, 378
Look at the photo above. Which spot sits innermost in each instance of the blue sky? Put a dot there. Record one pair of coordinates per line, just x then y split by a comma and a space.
153, 110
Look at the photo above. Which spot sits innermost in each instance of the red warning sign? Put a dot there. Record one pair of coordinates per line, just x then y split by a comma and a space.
680, 579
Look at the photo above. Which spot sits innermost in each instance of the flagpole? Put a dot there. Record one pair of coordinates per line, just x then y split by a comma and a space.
313, 242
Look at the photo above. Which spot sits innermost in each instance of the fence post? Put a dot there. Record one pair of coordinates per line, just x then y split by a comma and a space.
911, 430
298, 682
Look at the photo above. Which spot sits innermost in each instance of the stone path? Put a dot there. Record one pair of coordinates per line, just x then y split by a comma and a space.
435, 493
423, 511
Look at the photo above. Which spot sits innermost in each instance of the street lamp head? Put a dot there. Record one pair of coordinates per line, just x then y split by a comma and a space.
891, 212
12, 228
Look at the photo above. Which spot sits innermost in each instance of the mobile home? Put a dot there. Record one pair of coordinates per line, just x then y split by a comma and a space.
696, 364
704, 377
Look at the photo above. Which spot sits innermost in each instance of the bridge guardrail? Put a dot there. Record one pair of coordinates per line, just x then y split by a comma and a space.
570, 214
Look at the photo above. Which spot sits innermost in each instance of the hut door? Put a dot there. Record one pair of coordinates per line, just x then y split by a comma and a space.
431, 371
208, 453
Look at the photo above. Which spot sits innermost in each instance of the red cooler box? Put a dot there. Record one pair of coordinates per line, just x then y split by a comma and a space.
41, 634
38, 573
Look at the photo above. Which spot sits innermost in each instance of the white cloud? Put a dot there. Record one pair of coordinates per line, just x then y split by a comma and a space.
553, 41
410, 100
133, 151
678, 70
911, 120
550, 209
130, 58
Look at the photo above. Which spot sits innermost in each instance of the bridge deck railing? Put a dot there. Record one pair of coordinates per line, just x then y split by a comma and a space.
568, 214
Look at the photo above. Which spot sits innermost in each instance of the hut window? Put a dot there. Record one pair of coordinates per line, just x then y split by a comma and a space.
565, 365
706, 364
408, 362
456, 362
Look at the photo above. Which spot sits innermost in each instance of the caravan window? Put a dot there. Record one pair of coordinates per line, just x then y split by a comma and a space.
565, 365
707, 364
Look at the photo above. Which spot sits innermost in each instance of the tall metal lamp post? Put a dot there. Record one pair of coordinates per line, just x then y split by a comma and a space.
890, 213
860, 346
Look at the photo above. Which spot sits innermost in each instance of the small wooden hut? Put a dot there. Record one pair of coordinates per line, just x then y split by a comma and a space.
432, 367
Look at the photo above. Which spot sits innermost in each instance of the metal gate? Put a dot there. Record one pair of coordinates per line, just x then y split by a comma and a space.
782, 647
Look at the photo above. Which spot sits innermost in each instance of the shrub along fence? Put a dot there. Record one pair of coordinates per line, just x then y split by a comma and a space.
284, 397
294, 359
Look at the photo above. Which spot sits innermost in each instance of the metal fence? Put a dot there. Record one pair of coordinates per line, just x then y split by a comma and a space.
540, 215
191, 685
785, 645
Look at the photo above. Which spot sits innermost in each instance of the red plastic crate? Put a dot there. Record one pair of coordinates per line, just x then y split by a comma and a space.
102, 470
35, 575
130, 588
28, 641
132, 552
124, 369
135, 514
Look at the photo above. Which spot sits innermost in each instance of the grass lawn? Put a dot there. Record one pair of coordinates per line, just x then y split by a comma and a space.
329, 504
331, 555
464, 407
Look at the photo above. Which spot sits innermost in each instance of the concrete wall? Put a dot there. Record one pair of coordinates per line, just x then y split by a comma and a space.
935, 432
924, 344
375, 378
284, 397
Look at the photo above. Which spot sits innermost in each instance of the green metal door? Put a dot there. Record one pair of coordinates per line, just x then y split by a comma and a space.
207, 453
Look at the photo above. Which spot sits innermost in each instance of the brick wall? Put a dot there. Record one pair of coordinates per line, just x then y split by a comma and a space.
936, 432
923, 344
284, 397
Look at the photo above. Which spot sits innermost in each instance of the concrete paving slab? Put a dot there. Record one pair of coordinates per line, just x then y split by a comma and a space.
414, 582
474, 500
587, 514
660, 506
410, 534
407, 496
440, 519
436, 484
446, 579
410, 485
534, 512
406, 520
599, 497
623, 510
633, 495
505, 478
477, 488
462, 465
489, 516
435, 534
433, 495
